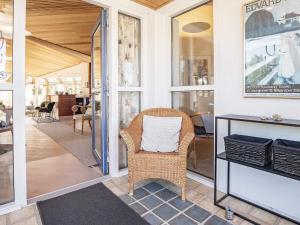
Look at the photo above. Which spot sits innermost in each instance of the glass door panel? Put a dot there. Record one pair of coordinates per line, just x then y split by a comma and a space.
97, 89
99, 92
7, 188
6, 148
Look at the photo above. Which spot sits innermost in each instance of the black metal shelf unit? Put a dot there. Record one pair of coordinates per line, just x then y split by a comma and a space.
268, 168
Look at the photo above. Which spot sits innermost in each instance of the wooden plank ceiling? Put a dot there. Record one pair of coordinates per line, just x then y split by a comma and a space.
154, 4
61, 34
67, 23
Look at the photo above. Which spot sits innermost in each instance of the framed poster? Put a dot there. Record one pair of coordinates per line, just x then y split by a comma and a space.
272, 48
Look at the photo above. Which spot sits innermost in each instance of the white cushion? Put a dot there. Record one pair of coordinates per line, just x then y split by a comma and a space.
161, 134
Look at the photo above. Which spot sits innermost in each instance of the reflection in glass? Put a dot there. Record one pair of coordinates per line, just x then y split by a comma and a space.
129, 51
194, 102
6, 36
129, 107
199, 105
6, 148
97, 91
192, 51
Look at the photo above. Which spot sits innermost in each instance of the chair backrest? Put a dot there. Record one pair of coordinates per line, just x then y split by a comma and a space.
43, 104
50, 106
197, 120
136, 125
208, 121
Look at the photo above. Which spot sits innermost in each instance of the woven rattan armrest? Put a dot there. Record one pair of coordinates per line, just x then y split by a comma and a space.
128, 139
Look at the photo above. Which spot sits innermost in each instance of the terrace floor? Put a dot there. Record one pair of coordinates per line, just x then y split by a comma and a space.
158, 202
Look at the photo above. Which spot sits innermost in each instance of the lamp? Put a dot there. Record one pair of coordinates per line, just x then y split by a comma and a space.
196, 27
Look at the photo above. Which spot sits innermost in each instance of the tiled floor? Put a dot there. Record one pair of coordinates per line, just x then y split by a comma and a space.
159, 205
158, 202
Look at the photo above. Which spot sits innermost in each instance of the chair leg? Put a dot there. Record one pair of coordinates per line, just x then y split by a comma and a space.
195, 155
74, 125
82, 126
90, 123
183, 197
131, 188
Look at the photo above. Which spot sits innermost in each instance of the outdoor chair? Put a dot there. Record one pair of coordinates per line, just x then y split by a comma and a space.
82, 113
46, 112
167, 166
42, 106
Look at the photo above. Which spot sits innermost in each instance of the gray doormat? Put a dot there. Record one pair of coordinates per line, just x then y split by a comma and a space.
95, 205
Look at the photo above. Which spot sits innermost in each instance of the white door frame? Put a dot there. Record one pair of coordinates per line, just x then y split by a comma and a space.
18, 88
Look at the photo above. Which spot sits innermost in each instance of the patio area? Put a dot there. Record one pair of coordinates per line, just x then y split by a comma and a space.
158, 203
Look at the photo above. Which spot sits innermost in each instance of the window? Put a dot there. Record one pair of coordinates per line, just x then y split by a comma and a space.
6, 42
130, 90
193, 47
6, 148
129, 105
192, 88
6, 104
194, 102
129, 51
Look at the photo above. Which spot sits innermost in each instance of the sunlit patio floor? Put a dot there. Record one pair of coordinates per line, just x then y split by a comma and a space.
158, 202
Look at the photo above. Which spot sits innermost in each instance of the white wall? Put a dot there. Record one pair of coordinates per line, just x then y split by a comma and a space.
272, 191
281, 194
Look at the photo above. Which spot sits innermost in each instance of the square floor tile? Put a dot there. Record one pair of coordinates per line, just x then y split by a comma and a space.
214, 220
182, 220
166, 194
127, 199
138, 208
153, 187
140, 193
151, 202
197, 213
179, 204
165, 212
152, 219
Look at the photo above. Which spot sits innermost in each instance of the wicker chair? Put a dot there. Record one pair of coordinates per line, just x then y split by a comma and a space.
167, 166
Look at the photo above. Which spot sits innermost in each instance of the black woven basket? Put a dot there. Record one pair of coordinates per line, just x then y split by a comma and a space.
286, 156
249, 149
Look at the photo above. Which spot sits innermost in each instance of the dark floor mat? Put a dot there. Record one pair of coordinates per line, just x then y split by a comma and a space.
95, 205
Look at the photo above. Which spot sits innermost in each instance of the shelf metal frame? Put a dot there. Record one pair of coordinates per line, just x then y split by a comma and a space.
268, 169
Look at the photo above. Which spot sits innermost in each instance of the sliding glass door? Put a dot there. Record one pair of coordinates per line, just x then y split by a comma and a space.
100, 92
